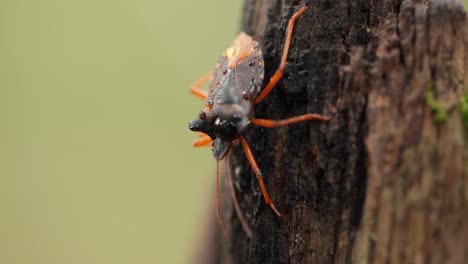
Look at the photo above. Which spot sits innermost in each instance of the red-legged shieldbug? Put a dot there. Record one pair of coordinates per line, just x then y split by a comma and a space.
235, 89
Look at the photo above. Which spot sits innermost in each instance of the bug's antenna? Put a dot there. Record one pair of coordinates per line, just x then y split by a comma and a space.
218, 215
239, 213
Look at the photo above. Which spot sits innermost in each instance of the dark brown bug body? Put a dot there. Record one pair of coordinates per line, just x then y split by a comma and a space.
235, 89
236, 83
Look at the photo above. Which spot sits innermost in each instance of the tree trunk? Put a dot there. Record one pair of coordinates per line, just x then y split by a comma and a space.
386, 180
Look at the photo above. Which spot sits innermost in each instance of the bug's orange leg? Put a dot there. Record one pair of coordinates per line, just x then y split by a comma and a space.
288, 121
239, 213
218, 214
195, 88
203, 141
279, 72
256, 169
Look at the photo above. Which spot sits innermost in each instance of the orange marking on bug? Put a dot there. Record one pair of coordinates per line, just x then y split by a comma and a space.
208, 106
240, 50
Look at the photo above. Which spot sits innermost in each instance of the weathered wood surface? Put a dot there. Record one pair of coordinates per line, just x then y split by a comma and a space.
386, 180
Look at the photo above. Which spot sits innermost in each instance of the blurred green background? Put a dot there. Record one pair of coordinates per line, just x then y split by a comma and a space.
96, 161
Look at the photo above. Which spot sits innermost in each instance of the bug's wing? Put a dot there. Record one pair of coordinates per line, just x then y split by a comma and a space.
249, 73
222, 68
249, 78
240, 49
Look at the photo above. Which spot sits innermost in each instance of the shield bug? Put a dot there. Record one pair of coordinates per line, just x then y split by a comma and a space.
235, 89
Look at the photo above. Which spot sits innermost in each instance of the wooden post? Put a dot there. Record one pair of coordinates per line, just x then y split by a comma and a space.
386, 180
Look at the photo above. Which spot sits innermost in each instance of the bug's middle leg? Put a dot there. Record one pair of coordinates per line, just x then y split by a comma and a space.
280, 71
288, 121
258, 173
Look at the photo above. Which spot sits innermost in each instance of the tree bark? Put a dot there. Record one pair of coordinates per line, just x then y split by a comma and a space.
385, 181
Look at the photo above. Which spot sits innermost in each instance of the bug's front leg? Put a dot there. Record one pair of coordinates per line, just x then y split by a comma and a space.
203, 141
195, 88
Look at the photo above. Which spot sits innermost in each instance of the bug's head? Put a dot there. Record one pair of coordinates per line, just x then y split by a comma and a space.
222, 123
203, 123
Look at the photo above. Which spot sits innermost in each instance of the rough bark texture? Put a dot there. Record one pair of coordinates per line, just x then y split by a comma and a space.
386, 180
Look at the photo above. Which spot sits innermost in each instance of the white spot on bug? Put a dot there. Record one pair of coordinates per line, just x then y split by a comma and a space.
237, 170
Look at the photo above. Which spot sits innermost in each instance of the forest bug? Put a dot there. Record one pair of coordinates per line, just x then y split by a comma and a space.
235, 89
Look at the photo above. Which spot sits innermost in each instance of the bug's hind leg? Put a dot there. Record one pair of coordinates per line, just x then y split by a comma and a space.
288, 121
195, 88
280, 71
258, 173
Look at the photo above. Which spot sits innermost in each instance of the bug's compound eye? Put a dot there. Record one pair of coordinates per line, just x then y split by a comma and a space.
202, 115
224, 129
